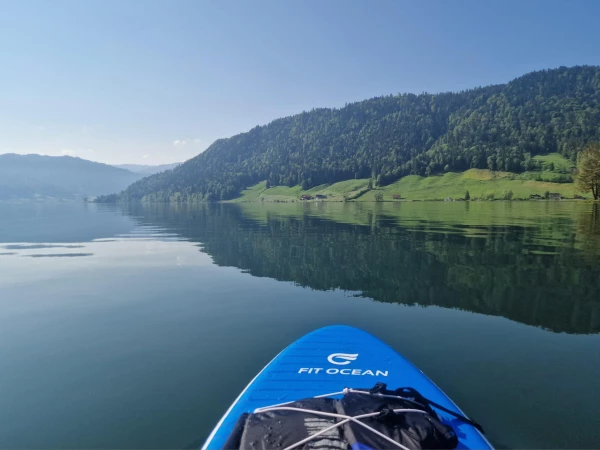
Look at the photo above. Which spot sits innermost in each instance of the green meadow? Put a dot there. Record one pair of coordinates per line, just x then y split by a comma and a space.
480, 183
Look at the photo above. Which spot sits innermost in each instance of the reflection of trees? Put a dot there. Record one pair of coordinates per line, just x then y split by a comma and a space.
588, 231
497, 274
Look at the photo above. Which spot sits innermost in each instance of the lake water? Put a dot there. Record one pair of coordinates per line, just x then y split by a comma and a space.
136, 327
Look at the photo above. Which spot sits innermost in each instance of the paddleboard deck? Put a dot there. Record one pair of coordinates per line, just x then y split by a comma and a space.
328, 360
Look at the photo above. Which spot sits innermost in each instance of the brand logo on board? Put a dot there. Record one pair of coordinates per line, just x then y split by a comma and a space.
341, 359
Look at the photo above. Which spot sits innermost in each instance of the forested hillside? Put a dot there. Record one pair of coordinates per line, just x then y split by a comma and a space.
496, 127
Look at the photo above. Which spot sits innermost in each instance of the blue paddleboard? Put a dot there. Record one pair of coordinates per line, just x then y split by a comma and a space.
328, 360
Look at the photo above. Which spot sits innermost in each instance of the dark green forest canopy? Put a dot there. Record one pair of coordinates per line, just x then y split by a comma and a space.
496, 127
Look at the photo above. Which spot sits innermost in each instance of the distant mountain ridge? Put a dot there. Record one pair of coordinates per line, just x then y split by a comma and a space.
497, 127
63, 177
147, 169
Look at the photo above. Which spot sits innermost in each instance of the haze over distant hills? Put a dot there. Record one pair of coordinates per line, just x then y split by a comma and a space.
500, 128
63, 177
147, 170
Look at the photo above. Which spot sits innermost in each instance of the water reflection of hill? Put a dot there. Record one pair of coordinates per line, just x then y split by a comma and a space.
504, 271
60, 222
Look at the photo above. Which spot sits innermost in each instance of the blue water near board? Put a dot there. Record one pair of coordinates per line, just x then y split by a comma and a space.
310, 367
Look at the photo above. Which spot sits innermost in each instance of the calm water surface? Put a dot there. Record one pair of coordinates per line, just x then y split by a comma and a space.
137, 327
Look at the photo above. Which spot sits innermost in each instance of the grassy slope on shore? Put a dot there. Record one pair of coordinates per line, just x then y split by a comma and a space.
334, 192
480, 183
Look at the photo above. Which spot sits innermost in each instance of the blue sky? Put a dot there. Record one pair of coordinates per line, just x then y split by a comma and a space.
157, 81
